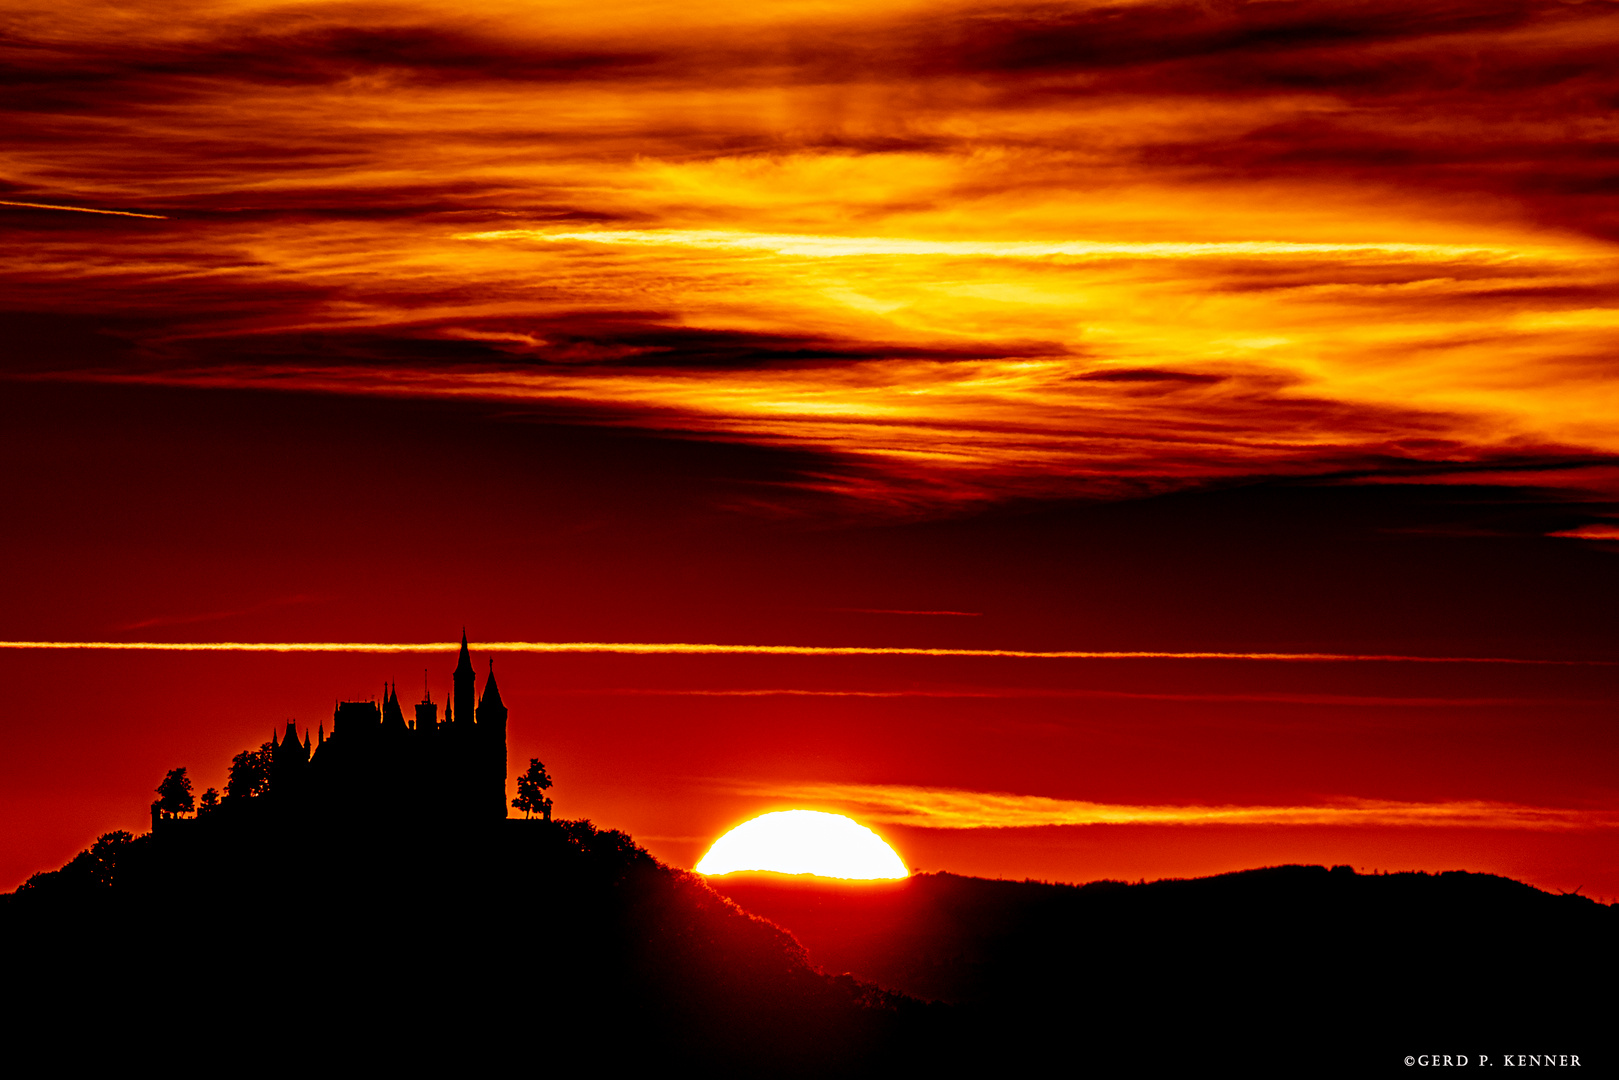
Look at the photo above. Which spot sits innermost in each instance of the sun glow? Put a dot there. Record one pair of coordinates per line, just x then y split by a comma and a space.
804, 842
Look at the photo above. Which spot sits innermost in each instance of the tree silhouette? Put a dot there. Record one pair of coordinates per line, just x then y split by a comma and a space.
249, 774
105, 853
174, 794
208, 801
531, 797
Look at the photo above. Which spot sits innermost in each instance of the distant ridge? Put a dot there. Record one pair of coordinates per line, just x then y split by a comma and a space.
412, 948
1354, 970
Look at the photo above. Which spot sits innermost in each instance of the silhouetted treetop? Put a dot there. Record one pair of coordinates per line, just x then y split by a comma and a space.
105, 854
249, 773
89, 872
174, 794
531, 786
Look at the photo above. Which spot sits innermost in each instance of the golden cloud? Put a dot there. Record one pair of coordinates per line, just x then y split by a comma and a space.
953, 808
956, 253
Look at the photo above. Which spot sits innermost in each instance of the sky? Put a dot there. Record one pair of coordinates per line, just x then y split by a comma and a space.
1110, 440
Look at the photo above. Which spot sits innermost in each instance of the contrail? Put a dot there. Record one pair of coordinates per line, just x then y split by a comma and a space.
1003, 693
687, 648
81, 209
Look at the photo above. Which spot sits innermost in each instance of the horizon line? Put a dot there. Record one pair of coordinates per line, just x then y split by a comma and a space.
688, 648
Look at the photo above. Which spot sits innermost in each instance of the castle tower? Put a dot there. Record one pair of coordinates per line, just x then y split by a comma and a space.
465, 684
492, 745
356, 719
426, 713
393, 718
289, 762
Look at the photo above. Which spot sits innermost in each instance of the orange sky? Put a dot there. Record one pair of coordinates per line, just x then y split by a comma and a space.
1232, 327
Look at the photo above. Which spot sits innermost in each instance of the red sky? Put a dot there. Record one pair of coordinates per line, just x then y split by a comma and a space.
1232, 328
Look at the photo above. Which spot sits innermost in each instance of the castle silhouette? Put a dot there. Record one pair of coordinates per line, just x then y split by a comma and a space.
374, 761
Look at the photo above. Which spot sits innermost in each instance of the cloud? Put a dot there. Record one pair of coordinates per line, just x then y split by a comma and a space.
902, 611
954, 808
1012, 693
1605, 531
851, 246
951, 253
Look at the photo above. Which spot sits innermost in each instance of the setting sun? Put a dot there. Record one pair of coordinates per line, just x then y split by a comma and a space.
804, 842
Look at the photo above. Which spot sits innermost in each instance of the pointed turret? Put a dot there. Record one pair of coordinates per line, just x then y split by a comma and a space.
465, 684
491, 694
289, 741
393, 717
289, 760
492, 738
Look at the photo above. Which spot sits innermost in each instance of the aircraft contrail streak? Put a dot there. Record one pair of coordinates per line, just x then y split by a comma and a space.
688, 648
81, 209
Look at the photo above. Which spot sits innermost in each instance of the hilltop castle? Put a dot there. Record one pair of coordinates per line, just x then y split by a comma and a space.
376, 762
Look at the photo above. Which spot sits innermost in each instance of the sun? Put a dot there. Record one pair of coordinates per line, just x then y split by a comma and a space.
804, 842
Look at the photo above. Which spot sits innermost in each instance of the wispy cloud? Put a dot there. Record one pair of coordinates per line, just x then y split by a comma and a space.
1591, 532
953, 253
902, 611
953, 808
832, 247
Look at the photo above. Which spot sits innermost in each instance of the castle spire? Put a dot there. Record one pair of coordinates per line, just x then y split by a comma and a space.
492, 738
393, 718
491, 692
465, 684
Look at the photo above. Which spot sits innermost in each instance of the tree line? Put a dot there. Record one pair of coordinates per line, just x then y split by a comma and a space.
250, 778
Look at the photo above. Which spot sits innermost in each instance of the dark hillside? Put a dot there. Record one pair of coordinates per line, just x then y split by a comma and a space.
268, 942
1295, 959
254, 937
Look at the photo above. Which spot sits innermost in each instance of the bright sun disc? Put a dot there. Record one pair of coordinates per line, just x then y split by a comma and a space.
804, 842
